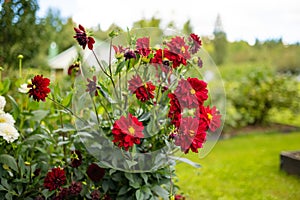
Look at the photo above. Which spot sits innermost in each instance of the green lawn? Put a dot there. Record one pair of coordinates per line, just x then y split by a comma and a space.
243, 167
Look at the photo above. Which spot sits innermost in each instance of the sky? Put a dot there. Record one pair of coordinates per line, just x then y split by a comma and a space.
246, 20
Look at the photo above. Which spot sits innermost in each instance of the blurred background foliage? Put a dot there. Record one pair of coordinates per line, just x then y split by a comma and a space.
262, 80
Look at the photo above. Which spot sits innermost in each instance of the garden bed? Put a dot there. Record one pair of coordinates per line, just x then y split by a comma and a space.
290, 162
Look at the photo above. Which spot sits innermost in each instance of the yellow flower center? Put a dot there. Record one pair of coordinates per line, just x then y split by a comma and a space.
192, 91
131, 130
182, 49
34, 86
209, 116
192, 133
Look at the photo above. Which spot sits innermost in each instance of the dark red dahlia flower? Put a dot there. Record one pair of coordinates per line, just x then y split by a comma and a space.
95, 195
75, 188
177, 45
127, 131
95, 173
74, 69
82, 38
195, 43
76, 159
143, 91
92, 86
39, 88
129, 54
62, 195
55, 179
143, 46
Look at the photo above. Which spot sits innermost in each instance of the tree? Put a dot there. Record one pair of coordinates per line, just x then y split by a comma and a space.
19, 31
56, 29
219, 42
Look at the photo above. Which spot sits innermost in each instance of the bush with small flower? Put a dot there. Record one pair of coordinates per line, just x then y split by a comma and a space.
118, 131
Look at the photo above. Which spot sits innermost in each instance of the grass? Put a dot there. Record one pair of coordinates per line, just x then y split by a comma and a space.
243, 167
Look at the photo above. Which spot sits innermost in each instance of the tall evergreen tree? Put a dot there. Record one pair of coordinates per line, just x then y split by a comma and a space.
219, 42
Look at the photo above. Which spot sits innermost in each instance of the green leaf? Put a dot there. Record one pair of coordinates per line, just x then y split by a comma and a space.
10, 161
129, 176
39, 115
67, 100
120, 66
19, 189
56, 93
21, 165
159, 191
8, 196
36, 137
66, 129
5, 184
2, 188
145, 178
47, 193
124, 189
63, 142
16, 109
4, 86
105, 186
139, 194
135, 185
105, 93
185, 160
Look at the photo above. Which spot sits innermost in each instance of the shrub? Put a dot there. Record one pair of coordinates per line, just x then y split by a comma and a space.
251, 99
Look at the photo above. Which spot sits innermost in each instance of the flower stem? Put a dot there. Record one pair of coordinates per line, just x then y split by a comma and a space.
96, 111
20, 57
103, 70
67, 109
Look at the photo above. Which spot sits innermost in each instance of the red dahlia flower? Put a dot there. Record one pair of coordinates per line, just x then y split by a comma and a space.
195, 43
200, 89
191, 135
55, 179
161, 56
143, 91
39, 88
143, 46
82, 38
95, 173
176, 58
177, 45
127, 131
214, 117
191, 93
175, 110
